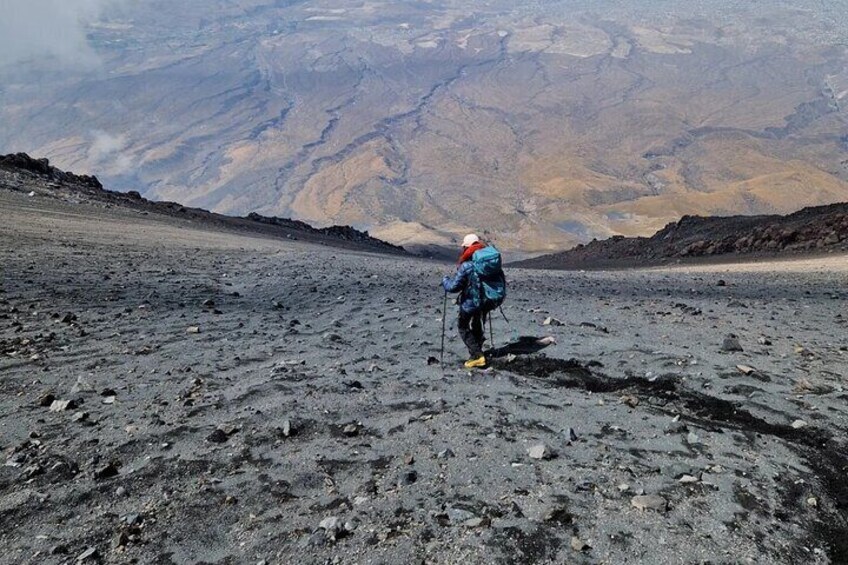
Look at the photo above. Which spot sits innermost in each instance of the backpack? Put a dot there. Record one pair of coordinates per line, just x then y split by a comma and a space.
489, 285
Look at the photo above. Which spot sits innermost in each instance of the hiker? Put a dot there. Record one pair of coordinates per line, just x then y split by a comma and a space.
481, 283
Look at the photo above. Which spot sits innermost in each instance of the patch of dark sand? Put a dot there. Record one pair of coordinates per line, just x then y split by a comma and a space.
825, 456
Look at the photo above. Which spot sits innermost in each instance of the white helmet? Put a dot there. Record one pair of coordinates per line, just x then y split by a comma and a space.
470, 240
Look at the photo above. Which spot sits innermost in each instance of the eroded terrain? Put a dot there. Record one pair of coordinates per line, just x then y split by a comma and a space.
548, 123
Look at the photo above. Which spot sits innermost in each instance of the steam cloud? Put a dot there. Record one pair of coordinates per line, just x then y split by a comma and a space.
36, 29
106, 153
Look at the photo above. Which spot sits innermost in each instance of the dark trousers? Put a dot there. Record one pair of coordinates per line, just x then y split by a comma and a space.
471, 331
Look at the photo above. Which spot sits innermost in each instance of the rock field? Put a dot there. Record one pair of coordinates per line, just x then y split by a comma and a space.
174, 393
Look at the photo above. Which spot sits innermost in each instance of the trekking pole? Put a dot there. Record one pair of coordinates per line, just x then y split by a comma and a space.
444, 319
504, 315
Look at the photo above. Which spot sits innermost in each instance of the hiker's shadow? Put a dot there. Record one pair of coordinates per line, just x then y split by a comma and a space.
524, 345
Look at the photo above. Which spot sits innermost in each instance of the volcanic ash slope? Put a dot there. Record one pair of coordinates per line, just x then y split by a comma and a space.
173, 395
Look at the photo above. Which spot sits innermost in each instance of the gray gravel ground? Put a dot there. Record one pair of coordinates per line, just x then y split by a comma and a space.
243, 400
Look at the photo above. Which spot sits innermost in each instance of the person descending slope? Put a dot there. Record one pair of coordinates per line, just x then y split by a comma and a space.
481, 283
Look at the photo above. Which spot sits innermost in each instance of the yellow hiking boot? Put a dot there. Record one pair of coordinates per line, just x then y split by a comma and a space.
476, 363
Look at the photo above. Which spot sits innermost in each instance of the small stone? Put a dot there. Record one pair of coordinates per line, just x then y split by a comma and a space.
46, 400
721, 282
120, 540
409, 478
578, 545
474, 523
805, 386
59, 549
692, 438
79, 417
193, 330
62, 405
89, 554
132, 519
630, 400
432, 360
803, 351
650, 502
106, 472
317, 539
218, 436
551, 321
676, 428
746, 370
287, 428
351, 430
445, 454
540, 452
82, 385
209, 303
798, 424
332, 525
459, 515
731, 344
687, 479
812, 501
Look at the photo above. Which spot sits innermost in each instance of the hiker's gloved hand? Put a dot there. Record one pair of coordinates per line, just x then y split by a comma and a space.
445, 281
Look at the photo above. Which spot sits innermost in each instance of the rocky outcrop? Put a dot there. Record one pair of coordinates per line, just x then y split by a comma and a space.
345, 233
811, 230
42, 167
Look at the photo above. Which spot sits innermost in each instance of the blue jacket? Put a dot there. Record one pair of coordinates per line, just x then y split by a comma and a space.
461, 282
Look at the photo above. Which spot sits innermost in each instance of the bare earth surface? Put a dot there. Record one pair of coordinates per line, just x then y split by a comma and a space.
232, 395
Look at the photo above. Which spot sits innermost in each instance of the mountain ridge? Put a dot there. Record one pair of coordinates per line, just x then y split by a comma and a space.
809, 231
22, 173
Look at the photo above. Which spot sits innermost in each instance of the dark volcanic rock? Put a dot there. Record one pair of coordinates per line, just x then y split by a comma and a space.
811, 230
106, 472
731, 344
22, 161
345, 233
